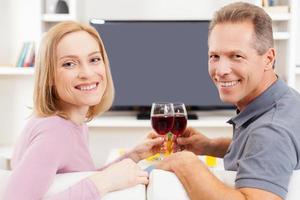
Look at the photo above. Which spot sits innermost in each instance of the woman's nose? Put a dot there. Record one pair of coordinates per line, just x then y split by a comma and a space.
85, 71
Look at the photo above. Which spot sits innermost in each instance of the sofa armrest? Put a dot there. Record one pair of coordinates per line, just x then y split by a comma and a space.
165, 185
63, 181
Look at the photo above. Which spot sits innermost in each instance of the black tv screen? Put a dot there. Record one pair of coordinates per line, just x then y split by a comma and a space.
155, 61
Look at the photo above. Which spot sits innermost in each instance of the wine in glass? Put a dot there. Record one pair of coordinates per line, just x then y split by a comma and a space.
180, 122
162, 120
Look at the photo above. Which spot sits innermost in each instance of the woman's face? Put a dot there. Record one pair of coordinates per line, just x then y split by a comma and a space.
80, 72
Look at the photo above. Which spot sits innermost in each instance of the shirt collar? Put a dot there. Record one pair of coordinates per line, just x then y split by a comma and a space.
260, 104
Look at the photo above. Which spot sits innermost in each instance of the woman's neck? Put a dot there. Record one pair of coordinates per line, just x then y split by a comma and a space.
75, 114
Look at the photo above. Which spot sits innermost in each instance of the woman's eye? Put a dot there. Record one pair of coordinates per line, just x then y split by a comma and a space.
95, 60
68, 64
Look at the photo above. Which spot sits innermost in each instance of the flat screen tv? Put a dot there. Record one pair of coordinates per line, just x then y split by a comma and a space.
158, 61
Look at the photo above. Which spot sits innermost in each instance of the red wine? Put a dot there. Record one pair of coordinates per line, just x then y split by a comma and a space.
179, 125
162, 124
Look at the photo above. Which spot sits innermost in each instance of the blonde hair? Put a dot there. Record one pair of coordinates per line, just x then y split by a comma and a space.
241, 12
45, 97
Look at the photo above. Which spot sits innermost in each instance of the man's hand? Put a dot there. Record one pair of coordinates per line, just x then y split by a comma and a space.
194, 141
148, 147
179, 160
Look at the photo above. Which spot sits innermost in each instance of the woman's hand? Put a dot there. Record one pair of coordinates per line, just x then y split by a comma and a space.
150, 146
121, 175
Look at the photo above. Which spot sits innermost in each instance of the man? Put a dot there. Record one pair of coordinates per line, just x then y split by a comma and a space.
265, 146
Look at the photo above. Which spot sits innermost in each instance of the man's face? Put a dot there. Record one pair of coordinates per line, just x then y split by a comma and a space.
234, 65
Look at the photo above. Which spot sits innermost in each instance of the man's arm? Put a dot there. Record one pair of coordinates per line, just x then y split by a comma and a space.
201, 184
218, 147
194, 141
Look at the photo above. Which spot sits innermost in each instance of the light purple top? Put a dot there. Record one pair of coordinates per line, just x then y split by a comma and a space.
49, 146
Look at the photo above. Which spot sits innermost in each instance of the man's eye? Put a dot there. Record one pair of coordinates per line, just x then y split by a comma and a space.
213, 57
238, 56
68, 64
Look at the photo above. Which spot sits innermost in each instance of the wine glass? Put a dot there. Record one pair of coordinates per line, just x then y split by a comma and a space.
162, 119
179, 125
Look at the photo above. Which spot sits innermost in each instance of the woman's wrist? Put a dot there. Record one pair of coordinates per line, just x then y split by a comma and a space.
133, 155
102, 185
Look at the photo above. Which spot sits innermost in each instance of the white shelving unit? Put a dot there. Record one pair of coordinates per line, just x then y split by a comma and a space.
16, 71
50, 19
56, 17
297, 70
281, 36
283, 16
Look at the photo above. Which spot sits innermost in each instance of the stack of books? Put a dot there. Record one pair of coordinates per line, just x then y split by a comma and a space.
27, 55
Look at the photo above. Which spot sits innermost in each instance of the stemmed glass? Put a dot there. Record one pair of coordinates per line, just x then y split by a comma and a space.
180, 122
162, 120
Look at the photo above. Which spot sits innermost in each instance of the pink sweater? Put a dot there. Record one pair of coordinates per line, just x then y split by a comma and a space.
49, 146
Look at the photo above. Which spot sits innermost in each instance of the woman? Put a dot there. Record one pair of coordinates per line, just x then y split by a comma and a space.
73, 84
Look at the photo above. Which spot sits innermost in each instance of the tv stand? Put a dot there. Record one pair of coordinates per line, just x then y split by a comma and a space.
143, 116
146, 116
192, 116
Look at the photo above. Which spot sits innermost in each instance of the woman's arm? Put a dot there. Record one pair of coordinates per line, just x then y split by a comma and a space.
148, 147
34, 173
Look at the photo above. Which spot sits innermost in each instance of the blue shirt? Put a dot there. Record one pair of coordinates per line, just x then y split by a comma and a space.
265, 147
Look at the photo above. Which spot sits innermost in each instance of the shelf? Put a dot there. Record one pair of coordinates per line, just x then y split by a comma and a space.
280, 16
56, 17
16, 70
297, 70
131, 121
281, 35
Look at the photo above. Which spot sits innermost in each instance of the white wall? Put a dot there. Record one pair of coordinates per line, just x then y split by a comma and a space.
16, 100
19, 21
152, 9
6, 31
297, 35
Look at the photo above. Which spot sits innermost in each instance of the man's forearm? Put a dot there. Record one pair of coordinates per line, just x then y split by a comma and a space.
218, 147
200, 184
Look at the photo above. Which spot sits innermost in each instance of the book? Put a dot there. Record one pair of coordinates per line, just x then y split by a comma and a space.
27, 55
30, 54
22, 55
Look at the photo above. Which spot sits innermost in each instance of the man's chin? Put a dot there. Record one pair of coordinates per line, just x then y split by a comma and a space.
228, 100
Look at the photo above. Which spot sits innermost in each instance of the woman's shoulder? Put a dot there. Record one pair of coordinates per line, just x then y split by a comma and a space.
50, 121
43, 125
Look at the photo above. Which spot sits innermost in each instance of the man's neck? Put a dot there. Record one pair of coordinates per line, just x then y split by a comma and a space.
270, 80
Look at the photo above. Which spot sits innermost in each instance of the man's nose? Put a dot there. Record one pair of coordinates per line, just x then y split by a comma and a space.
223, 67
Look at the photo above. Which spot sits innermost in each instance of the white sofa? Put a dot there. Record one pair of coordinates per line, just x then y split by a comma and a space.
64, 181
165, 185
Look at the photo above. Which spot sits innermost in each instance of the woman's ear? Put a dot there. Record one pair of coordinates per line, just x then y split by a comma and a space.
269, 59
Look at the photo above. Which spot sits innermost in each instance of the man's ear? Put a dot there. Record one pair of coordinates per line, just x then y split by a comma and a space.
269, 59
